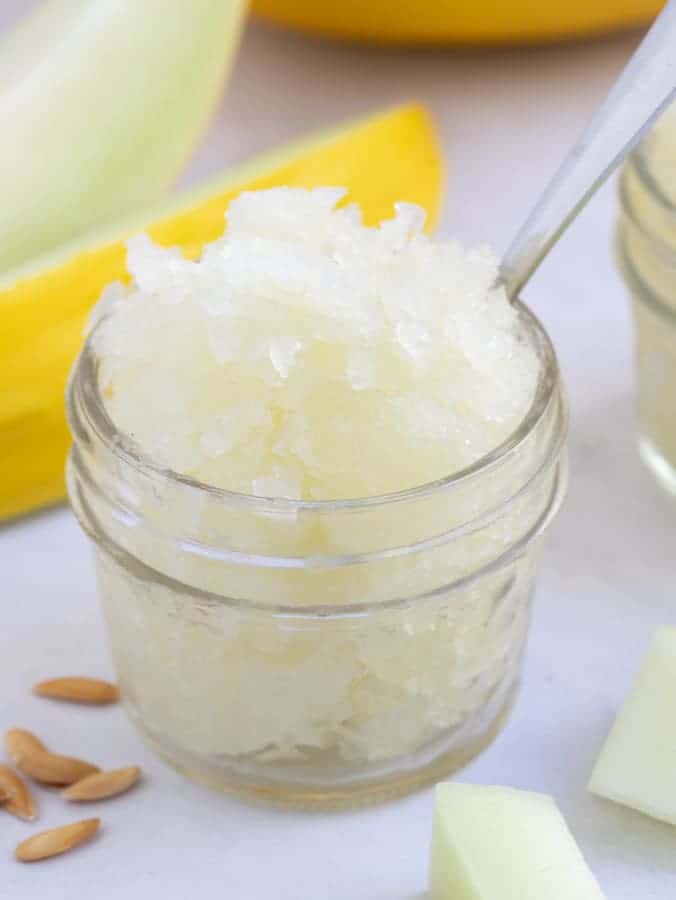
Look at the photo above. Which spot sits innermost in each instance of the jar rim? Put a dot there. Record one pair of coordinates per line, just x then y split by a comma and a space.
353, 610
638, 285
83, 381
638, 167
639, 160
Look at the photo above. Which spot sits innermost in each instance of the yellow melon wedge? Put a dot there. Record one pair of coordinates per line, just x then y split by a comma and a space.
44, 305
452, 21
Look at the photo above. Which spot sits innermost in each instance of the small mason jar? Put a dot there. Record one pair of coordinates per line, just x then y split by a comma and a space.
646, 252
318, 653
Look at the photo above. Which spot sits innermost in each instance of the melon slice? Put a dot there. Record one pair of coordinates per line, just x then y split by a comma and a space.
637, 765
497, 843
44, 304
101, 102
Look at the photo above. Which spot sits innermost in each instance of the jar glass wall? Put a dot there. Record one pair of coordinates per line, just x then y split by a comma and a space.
318, 652
646, 251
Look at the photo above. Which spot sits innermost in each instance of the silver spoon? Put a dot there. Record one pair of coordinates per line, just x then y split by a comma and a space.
643, 91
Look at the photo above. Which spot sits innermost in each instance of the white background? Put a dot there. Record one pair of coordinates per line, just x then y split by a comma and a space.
506, 117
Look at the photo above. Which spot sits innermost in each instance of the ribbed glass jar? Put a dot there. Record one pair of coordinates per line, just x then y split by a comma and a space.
646, 252
318, 653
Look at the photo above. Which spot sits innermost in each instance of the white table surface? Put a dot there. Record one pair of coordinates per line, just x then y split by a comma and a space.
608, 576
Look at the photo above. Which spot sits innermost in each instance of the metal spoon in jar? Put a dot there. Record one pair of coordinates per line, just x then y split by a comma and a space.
643, 91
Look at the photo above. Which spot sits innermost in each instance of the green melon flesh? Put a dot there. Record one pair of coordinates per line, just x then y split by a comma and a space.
497, 843
101, 103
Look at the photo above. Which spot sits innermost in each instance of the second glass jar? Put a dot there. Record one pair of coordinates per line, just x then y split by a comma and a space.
646, 251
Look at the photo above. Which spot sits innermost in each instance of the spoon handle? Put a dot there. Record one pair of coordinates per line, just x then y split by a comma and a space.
645, 88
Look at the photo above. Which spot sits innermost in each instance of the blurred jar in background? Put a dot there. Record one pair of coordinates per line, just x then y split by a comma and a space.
646, 250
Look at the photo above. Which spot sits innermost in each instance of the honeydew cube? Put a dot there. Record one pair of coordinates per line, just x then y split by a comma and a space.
637, 765
498, 843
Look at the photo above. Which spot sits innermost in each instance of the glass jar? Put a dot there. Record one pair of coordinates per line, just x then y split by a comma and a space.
318, 653
646, 252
